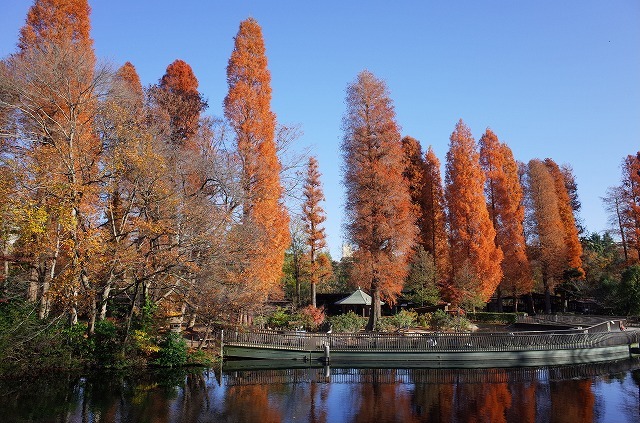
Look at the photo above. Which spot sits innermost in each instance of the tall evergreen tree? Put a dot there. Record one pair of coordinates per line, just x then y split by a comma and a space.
380, 219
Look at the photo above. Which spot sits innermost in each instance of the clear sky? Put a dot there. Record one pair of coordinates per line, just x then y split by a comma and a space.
558, 79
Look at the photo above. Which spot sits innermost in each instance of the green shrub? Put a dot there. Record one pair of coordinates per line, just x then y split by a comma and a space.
442, 321
497, 318
460, 324
105, 343
349, 322
403, 320
173, 351
200, 358
423, 320
279, 319
29, 344
439, 320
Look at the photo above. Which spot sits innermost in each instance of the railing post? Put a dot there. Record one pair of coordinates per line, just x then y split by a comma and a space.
221, 344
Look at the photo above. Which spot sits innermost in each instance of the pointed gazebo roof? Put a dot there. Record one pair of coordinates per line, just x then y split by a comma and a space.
358, 297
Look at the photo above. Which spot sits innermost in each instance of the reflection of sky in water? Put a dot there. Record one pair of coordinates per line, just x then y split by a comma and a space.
616, 399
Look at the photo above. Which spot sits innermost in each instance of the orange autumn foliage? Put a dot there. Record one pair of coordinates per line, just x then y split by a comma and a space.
506, 209
179, 96
571, 239
247, 107
313, 215
434, 228
629, 208
57, 21
128, 75
380, 218
475, 258
55, 83
548, 237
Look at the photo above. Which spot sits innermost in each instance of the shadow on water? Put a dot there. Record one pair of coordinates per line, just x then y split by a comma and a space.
252, 391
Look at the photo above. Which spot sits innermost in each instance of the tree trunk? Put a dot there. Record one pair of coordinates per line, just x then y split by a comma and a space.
45, 303
32, 292
622, 234
499, 299
531, 309
193, 318
130, 316
547, 298
106, 291
376, 309
515, 300
313, 294
5, 271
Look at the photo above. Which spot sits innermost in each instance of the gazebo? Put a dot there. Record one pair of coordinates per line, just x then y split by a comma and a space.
359, 302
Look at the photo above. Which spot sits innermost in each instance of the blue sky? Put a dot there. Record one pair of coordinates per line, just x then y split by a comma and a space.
552, 79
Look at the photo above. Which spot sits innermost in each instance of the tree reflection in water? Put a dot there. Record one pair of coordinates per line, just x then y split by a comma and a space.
583, 393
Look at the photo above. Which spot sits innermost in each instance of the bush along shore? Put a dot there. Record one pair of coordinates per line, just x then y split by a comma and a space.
29, 345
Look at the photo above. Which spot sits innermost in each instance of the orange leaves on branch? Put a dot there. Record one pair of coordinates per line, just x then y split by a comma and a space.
57, 21
433, 230
313, 215
548, 245
474, 255
506, 209
247, 107
179, 96
380, 215
571, 239
628, 208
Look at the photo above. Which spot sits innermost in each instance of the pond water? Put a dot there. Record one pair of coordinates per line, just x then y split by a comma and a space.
608, 392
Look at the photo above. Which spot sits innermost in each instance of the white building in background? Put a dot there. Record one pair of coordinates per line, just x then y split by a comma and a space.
347, 251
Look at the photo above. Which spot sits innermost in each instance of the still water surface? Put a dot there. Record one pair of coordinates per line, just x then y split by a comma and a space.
584, 393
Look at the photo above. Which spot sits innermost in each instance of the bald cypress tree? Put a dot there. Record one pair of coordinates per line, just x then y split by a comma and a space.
549, 250
380, 218
506, 209
475, 258
313, 216
247, 107
178, 95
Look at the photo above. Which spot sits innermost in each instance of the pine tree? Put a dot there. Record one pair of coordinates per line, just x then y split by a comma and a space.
248, 110
380, 219
313, 216
475, 257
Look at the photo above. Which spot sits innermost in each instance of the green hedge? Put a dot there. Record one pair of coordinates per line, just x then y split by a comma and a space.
500, 318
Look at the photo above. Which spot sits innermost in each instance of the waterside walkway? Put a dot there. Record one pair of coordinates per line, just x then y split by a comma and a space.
588, 340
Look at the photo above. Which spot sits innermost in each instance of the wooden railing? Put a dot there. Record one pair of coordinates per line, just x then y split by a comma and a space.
411, 342
589, 323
